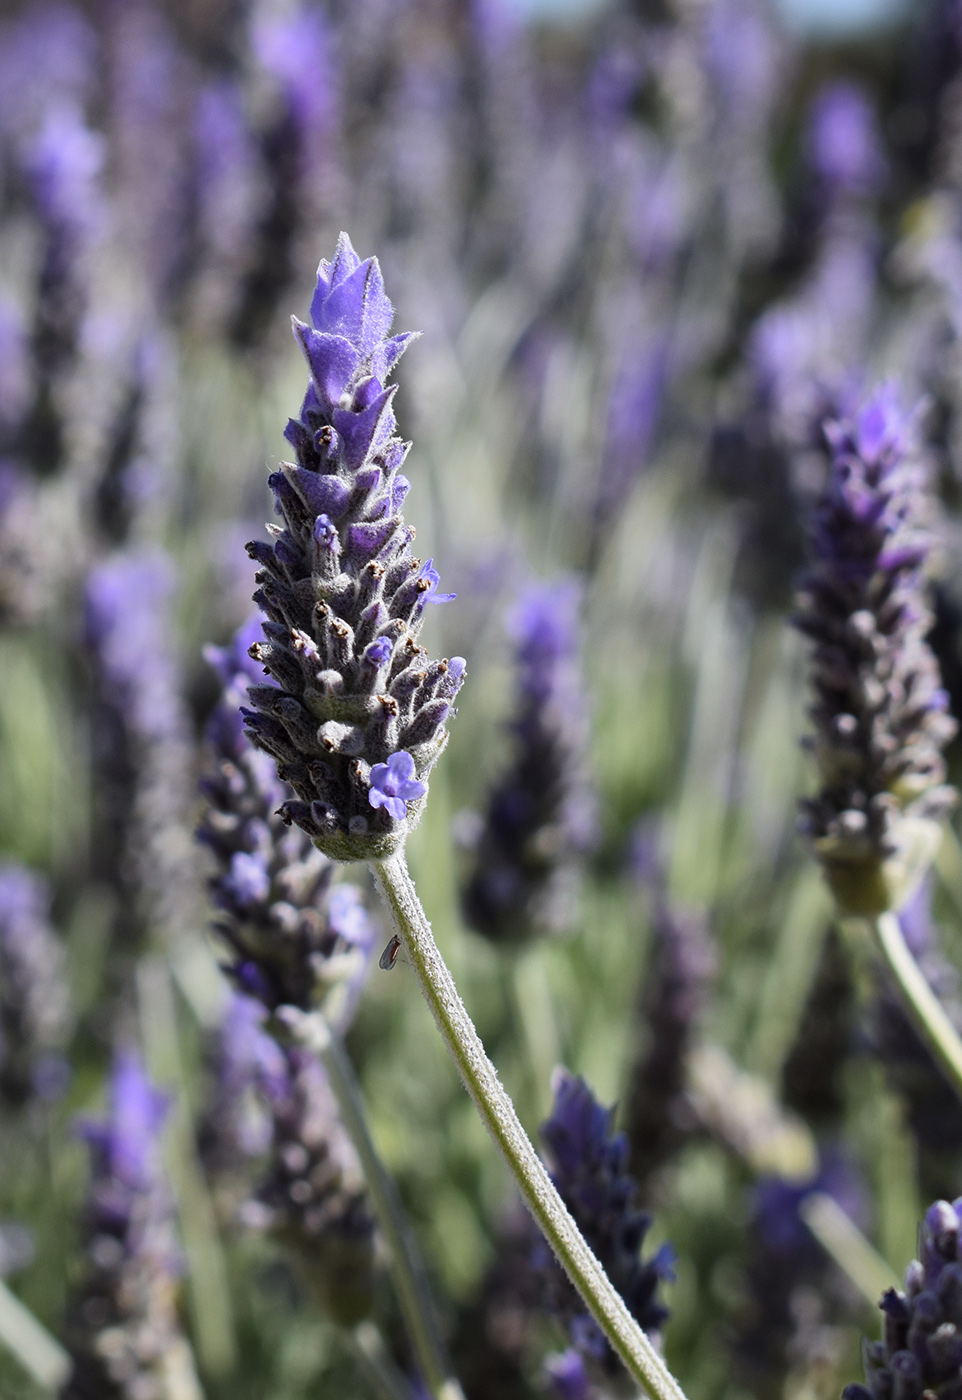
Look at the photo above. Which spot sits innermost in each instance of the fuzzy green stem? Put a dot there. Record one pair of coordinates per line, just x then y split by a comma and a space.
498, 1114
414, 1296
923, 1006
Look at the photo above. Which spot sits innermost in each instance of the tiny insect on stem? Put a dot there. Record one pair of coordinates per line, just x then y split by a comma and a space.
389, 957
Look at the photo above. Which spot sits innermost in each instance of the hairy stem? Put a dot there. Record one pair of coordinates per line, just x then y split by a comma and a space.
498, 1114
410, 1282
923, 1006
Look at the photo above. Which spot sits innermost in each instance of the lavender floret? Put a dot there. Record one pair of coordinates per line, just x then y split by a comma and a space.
122, 1330
921, 1348
34, 997
291, 935
343, 594
589, 1168
540, 818
879, 708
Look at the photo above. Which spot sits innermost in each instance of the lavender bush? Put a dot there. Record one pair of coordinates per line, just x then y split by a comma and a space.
688, 284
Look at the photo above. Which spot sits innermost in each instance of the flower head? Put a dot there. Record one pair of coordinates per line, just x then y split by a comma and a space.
879, 707
921, 1348
354, 695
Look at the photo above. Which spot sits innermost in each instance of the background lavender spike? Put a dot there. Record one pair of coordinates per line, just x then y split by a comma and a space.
122, 1329
672, 997
879, 710
291, 937
313, 1197
34, 996
62, 164
786, 1269
540, 820
356, 720
588, 1166
142, 745
921, 1346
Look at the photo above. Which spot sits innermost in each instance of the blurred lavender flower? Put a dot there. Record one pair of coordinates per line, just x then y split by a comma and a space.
921, 1348
658, 1117
342, 592
786, 1265
291, 935
141, 743
34, 996
568, 1375
236, 1126
313, 1198
844, 147
63, 163
122, 1330
931, 1105
588, 1166
228, 189
540, 819
879, 711
634, 409
295, 51
48, 48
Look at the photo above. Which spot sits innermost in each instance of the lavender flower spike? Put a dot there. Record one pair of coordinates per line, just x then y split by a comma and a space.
541, 819
34, 997
122, 1329
589, 1170
357, 717
921, 1348
879, 710
292, 937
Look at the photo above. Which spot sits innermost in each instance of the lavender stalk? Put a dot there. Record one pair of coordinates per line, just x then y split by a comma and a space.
880, 710
357, 718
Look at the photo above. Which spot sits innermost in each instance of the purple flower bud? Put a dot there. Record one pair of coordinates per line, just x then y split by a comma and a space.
879, 709
540, 818
360, 717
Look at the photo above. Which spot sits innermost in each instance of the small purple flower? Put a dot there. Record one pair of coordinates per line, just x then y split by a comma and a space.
393, 785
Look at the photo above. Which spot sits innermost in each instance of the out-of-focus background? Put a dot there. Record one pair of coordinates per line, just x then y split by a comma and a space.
650, 246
